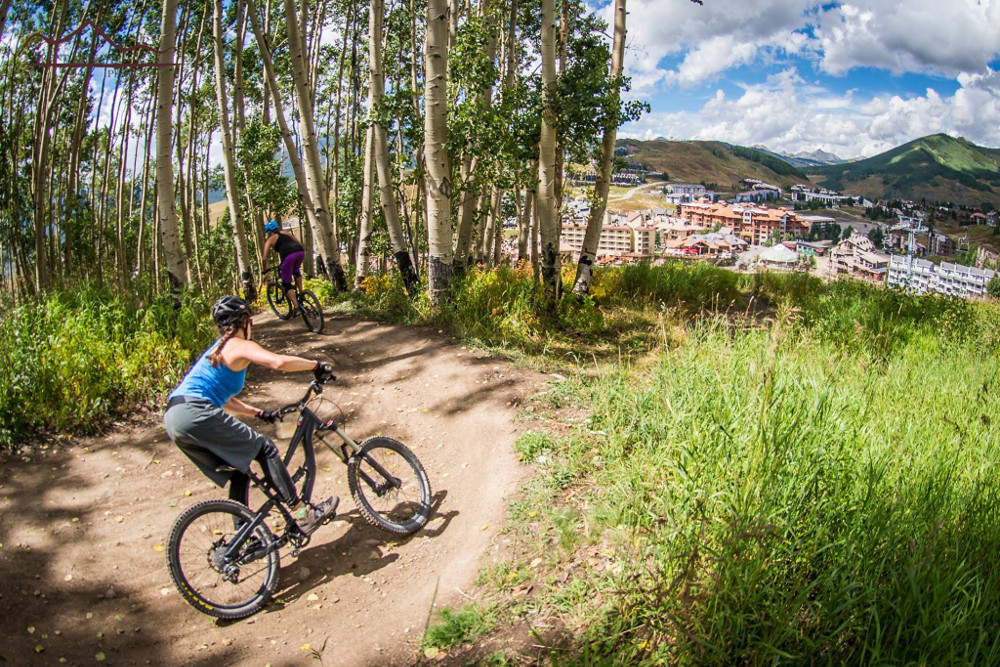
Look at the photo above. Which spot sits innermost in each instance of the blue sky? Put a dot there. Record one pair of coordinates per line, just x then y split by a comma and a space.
851, 78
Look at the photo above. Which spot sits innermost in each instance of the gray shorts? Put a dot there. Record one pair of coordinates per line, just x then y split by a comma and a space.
212, 437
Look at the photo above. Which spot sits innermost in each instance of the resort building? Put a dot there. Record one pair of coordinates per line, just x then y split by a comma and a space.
615, 239
951, 279
680, 193
856, 256
754, 224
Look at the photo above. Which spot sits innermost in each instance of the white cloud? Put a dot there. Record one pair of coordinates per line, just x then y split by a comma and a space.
789, 117
911, 36
916, 35
677, 49
715, 36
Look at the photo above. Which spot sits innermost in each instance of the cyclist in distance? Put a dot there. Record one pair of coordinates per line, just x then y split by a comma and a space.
200, 413
291, 252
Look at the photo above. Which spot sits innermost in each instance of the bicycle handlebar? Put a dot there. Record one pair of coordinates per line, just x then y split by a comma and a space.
315, 387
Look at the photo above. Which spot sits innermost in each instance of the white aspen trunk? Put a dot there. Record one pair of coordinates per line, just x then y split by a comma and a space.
380, 147
599, 203
365, 223
466, 214
497, 228
523, 220
436, 157
166, 208
324, 234
548, 226
229, 159
301, 183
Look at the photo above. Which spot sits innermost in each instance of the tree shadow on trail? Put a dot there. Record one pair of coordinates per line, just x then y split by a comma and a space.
361, 551
80, 575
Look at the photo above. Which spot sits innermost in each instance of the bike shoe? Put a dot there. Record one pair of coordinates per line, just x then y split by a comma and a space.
311, 518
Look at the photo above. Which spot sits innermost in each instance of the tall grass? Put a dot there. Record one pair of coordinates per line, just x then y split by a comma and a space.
500, 307
74, 359
782, 496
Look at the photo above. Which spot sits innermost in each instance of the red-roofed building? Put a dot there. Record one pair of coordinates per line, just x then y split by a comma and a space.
754, 224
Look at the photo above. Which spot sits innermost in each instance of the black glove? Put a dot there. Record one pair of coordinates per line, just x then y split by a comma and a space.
269, 416
323, 371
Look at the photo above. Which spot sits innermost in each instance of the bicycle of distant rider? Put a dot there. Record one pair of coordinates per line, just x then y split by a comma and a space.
309, 306
223, 557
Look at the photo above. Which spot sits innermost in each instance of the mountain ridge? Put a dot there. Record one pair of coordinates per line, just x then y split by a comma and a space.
937, 167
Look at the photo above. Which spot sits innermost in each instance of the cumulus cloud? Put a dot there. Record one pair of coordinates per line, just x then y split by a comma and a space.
678, 49
788, 117
714, 37
911, 36
916, 35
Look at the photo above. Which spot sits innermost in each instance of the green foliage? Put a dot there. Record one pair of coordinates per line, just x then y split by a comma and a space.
993, 287
690, 286
459, 626
260, 169
75, 359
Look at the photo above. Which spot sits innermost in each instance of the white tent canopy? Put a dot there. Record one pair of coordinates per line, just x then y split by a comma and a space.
779, 254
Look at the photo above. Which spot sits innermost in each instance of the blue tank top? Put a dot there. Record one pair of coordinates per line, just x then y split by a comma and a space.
216, 384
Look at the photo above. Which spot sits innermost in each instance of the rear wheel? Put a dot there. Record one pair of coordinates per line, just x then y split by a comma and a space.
278, 301
312, 311
211, 576
389, 486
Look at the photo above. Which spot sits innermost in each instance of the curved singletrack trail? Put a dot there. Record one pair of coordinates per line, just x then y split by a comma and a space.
84, 522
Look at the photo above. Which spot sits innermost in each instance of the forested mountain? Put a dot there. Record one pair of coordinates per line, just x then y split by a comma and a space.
715, 163
937, 167
803, 159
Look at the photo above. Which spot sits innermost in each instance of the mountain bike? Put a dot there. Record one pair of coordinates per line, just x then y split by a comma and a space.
309, 306
223, 557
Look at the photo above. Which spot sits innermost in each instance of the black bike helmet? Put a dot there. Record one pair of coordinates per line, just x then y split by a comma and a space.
230, 310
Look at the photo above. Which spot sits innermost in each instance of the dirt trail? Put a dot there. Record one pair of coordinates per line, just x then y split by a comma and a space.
83, 573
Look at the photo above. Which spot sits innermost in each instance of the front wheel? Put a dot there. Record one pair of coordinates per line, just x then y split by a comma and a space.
214, 576
278, 301
389, 486
311, 311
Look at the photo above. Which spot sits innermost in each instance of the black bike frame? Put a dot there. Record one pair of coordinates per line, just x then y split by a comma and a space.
308, 424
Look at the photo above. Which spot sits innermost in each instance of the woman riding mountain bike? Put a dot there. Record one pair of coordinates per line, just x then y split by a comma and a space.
292, 253
199, 416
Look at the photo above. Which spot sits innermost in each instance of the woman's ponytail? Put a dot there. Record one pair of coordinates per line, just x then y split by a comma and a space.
215, 358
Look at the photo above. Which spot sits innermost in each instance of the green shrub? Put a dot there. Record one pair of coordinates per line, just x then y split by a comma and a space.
693, 286
75, 359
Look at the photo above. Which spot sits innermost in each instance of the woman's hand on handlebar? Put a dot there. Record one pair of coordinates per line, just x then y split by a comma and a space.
269, 416
323, 372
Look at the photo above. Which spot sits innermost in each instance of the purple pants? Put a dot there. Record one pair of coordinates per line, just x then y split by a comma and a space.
290, 266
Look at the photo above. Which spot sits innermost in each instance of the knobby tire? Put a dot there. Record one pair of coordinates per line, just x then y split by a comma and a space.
278, 301
400, 503
192, 553
312, 311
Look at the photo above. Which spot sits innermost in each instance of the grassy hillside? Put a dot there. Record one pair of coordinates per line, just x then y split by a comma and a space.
712, 162
936, 167
738, 469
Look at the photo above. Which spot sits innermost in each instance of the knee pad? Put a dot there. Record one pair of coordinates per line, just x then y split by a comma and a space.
287, 286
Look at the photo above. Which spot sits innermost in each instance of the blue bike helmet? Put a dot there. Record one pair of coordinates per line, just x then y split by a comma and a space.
271, 226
